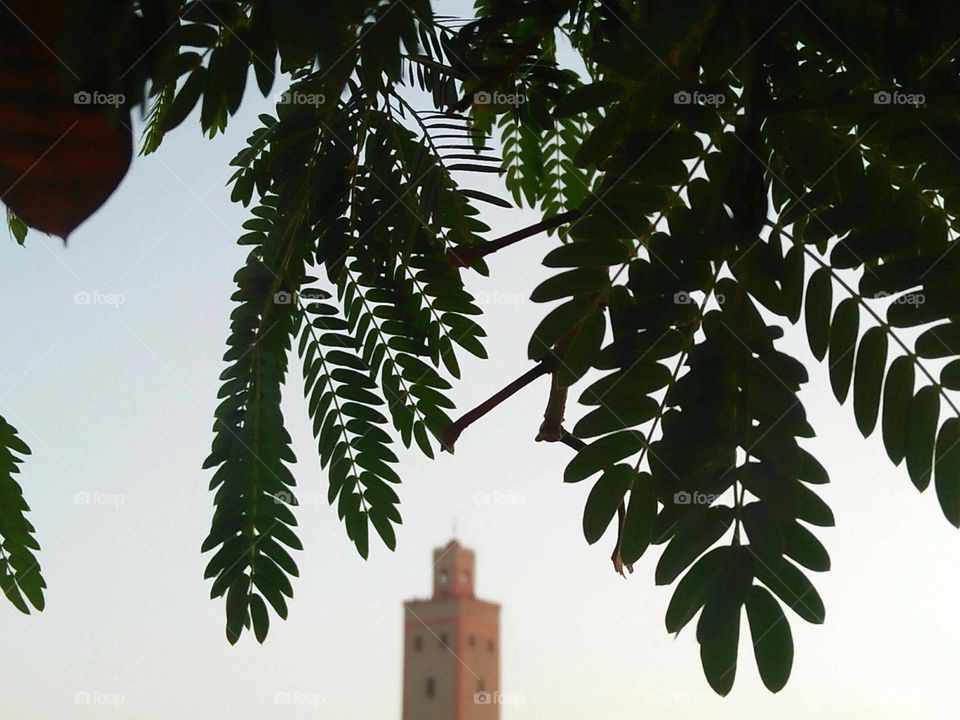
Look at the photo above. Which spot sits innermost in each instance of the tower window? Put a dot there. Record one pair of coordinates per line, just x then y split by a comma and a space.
443, 638
466, 577
418, 643
431, 688
444, 577
473, 641
490, 645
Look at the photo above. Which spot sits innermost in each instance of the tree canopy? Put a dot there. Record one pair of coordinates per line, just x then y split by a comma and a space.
715, 174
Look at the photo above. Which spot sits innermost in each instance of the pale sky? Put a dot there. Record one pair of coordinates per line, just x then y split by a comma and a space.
116, 399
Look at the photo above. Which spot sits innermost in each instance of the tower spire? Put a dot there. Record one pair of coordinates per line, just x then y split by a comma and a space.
451, 656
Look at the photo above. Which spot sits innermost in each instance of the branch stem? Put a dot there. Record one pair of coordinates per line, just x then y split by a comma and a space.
452, 431
459, 257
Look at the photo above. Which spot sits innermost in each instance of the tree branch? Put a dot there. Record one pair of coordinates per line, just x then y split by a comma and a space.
452, 431
459, 257
618, 563
551, 429
571, 441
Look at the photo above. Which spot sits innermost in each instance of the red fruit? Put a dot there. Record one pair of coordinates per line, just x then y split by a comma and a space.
59, 159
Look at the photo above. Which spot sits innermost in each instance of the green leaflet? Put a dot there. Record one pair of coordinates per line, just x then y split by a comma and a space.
588, 97
639, 519
921, 420
695, 587
802, 547
16, 227
691, 541
602, 454
950, 375
599, 252
604, 137
868, 379
615, 414
947, 473
818, 305
897, 398
604, 499
583, 348
718, 630
718, 655
260, 617
582, 281
728, 593
843, 341
555, 325
794, 589
772, 639
764, 532
939, 342
641, 378
793, 283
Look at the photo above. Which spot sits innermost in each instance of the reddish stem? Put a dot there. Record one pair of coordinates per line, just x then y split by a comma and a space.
454, 429
459, 257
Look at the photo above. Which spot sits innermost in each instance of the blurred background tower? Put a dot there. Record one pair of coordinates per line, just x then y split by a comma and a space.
451, 646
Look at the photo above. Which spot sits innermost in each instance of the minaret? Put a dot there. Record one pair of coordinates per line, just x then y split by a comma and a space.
451, 646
